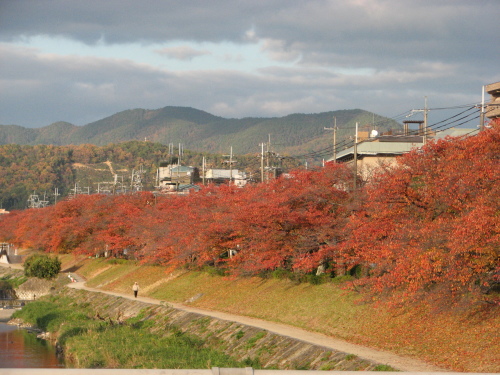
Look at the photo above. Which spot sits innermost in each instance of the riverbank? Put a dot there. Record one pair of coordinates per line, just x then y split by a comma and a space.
453, 339
97, 330
299, 336
5, 315
467, 341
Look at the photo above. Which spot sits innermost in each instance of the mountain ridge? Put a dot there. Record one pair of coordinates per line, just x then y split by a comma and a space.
201, 131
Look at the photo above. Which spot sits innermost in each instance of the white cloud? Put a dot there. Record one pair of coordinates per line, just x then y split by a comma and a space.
182, 52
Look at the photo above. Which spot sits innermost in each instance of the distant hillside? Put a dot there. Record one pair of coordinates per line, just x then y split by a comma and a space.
200, 131
41, 169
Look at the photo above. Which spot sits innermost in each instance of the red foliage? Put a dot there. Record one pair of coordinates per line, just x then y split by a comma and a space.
430, 223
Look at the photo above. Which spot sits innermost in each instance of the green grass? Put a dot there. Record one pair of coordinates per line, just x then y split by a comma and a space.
383, 368
90, 343
239, 334
252, 341
129, 347
13, 281
328, 308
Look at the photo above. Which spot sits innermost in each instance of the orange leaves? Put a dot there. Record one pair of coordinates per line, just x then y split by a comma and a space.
429, 225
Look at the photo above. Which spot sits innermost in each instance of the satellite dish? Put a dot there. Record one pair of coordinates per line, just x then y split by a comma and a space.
374, 134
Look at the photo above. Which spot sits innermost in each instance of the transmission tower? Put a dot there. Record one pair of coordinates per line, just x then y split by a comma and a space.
34, 201
137, 178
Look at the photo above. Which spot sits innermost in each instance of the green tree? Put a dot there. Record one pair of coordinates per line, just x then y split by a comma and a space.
42, 266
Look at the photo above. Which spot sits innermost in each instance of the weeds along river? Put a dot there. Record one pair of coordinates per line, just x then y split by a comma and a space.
22, 349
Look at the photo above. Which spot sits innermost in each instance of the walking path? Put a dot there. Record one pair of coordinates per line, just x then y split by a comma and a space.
393, 360
402, 363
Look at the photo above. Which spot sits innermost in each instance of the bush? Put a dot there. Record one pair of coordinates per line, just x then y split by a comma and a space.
42, 266
281, 274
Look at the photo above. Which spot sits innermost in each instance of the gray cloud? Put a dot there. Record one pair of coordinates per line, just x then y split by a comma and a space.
379, 55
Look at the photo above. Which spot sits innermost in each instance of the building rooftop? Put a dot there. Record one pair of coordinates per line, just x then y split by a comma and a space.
398, 145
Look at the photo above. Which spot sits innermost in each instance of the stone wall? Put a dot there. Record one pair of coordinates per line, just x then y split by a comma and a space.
34, 288
31, 289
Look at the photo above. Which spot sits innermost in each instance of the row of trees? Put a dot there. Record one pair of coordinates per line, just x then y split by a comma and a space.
427, 226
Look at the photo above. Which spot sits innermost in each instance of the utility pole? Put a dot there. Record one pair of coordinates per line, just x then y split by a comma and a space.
425, 112
262, 163
181, 152
203, 170
356, 158
171, 152
56, 194
334, 138
425, 121
230, 165
267, 154
481, 117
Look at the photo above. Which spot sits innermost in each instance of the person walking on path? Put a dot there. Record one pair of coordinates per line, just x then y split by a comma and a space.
135, 288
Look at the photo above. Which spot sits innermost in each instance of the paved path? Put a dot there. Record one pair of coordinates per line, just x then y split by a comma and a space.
393, 360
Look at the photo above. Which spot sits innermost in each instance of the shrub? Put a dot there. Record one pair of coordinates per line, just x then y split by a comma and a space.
42, 266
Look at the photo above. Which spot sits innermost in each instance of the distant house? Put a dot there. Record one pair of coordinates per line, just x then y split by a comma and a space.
379, 151
174, 177
383, 150
224, 176
493, 107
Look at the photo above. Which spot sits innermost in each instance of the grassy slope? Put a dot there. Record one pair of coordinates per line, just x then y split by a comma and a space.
460, 341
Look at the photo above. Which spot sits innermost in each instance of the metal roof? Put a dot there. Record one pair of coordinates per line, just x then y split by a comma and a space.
455, 132
378, 148
224, 174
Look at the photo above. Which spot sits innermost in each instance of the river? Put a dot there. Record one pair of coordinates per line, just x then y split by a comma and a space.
22, 349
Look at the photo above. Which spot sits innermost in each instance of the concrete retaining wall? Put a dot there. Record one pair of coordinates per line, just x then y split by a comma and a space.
237, 340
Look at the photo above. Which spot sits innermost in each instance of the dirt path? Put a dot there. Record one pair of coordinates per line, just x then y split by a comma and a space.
110, 166
393, 360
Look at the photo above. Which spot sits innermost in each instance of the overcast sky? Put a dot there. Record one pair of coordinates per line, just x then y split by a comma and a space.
80, 61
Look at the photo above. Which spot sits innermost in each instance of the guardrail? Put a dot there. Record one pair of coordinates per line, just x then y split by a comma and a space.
212, 371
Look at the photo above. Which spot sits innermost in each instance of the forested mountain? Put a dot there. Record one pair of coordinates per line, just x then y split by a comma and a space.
200, 131
61, 155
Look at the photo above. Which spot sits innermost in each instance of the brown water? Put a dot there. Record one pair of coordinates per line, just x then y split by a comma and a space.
21, 349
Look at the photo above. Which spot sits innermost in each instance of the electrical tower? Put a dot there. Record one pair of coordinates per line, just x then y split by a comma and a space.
34, 201
137, 179
77, 190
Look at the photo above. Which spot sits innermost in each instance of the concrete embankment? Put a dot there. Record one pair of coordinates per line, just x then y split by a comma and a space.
239, 341
5, 315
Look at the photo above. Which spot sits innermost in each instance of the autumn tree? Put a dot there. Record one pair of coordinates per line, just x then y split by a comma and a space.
430, 223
